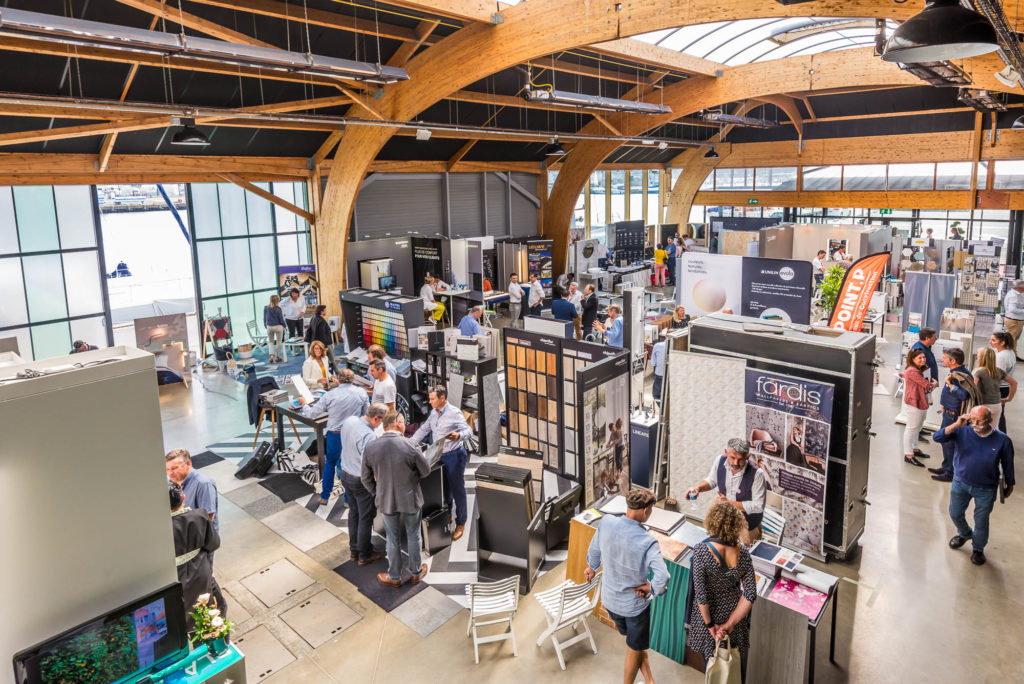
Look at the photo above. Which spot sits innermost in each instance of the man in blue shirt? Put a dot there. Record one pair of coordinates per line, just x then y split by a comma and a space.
670, 249
926, 338
470, 323
634, 572
562, 309
612, 328
981, 453
954, 394
199, 488
344, 401
356, 433
447, 424
658, 362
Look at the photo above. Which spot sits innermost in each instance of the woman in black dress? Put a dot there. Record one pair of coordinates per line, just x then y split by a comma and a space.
320, 329
724, 587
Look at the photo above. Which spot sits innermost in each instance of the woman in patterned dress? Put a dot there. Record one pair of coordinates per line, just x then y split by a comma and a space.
724, 588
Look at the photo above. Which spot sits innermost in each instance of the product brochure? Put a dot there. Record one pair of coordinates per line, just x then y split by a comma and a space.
797, 597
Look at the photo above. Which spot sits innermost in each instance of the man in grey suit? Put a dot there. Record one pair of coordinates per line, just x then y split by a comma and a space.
392, 470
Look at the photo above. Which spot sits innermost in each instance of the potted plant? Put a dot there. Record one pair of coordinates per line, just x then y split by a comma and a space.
829, 288
210, 627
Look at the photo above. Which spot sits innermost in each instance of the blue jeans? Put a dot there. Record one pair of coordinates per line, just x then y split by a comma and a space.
332, 459
948, 448
393, 524
361, 512
657, 387
960, 494
454, 466
671, 270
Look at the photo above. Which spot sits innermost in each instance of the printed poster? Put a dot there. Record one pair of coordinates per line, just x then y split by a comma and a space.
789, 423
603, 404
302, 277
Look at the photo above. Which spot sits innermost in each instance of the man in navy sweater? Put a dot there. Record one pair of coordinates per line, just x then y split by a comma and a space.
925, 339
981, 453
952, 400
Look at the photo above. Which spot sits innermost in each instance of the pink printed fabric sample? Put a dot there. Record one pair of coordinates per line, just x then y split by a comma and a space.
797, 597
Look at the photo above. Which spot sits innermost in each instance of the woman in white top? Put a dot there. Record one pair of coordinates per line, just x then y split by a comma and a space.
316, 371
1006, 360
987, 378
427, 294
294, 308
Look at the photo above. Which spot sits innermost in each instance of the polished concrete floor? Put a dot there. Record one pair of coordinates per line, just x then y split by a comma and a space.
910, 609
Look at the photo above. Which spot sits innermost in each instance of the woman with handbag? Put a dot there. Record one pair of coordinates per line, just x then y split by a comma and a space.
916, 389
724, 589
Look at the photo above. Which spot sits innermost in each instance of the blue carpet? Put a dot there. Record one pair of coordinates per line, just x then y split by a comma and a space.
278, 370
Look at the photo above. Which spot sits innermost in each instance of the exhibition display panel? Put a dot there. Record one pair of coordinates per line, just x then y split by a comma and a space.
373, 317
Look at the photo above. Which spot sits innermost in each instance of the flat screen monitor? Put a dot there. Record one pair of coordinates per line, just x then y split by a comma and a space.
565, 504
141, 637
387, 282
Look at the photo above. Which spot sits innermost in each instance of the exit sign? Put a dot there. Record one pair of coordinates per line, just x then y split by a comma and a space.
885, 212
752, 200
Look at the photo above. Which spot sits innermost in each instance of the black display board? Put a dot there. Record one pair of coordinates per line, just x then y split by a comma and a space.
629, 241
426, 259
777, 289
374, 317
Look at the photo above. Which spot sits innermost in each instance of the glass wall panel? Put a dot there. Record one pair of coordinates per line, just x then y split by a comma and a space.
44, 287
210, 256
8, 226
232, 210
37, 218
618, 191
91, 330
636, 195
24, 338
82, 284
775, 178
259, 212
734, 179
709, 182
697, 214
911, 176
288, 250
237, 268
52, 339
653, 197
1009, 174
74, 216
264, 263
13, 310
597, 195
286, 221
552, 177
242, 310
863, 177
955, 176
205, 210
823, 177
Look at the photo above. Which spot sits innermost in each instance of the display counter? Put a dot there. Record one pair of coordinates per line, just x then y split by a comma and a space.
783, 635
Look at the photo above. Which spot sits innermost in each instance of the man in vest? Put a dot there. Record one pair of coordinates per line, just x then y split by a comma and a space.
739, 482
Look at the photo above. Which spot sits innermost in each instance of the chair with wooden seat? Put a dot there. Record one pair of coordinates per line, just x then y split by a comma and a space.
568, 605
492, 603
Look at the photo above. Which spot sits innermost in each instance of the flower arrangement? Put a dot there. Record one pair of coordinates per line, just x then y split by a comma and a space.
210, 626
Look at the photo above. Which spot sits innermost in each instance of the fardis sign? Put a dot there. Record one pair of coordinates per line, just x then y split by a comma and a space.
789, 394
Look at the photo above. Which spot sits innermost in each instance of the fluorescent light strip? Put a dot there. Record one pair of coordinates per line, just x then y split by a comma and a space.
595, 102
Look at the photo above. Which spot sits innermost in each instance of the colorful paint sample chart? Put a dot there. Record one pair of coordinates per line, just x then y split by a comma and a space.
372, 317
789, 423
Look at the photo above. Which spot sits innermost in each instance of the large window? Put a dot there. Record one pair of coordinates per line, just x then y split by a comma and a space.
1009, 175
618, 191
823, 177
636, 195
863, 177
240, 240
775, 178
911, 176
597, 199
51, 270
653, 197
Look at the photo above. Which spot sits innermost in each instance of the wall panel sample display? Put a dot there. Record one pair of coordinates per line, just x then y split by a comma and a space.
602, 411
374, 317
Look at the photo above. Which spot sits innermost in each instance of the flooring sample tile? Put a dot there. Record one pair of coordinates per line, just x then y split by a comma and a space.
246, 495
287, 486
320, 618
365, 580
276, 582
265, 506
223, 473
236, 611
301, 527
331, 553
264, 654
426, 611
204, 459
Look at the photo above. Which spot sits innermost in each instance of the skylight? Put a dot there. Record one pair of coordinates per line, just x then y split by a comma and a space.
758, 40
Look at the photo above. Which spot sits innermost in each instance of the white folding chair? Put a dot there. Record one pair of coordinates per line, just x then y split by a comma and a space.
259, 340
491, 603
568, 605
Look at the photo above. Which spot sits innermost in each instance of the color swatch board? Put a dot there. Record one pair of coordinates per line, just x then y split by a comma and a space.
373, 317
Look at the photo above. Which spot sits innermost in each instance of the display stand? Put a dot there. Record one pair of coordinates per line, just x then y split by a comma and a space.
373, 317
482, 390
510, 532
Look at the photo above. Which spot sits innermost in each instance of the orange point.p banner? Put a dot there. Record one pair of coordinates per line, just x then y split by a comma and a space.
855, 295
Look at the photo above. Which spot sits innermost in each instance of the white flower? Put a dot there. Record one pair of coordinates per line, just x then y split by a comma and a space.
214, 612
203, 599
217, 622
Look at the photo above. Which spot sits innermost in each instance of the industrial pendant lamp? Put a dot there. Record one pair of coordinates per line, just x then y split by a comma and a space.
554, 149
1018, 124
711, 154
943, 30
190, 135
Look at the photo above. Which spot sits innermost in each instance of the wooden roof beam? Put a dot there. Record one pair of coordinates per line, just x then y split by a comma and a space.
158, 9
407, 49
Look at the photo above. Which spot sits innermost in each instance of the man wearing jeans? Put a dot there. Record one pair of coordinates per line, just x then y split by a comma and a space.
356, 433
952, 400
392, 470
446, 424
628, 553
342, 402
981, 453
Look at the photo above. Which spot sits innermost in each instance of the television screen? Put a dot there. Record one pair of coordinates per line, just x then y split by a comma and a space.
145, 635
386, 282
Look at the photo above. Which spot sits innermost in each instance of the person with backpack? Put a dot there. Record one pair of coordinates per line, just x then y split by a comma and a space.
959, 396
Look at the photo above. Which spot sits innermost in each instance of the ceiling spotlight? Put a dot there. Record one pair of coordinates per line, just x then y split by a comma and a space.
1018, 124
981, 100
554, 149
711, 154
190, 135
423, 134
943, 30
646, 141
662, 145
1008, 77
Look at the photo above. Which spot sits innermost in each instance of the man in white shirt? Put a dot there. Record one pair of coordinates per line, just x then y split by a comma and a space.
739, 482
515, 300
575, 298
1013, 310
536, 295
294, 308
384, 389
818, 267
